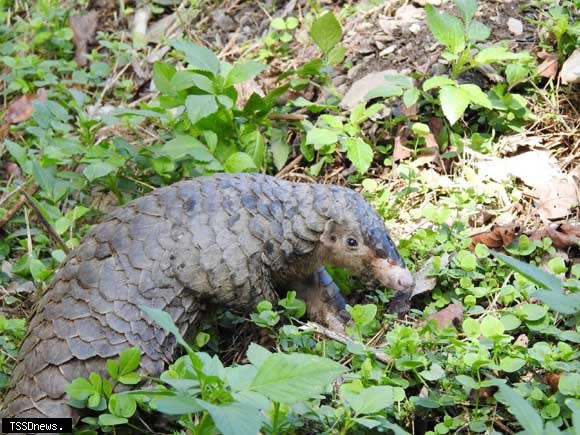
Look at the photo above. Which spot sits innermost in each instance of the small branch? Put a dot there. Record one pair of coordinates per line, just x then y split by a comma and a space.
287, 116
47, 226
16, 207
341, 338
290, 166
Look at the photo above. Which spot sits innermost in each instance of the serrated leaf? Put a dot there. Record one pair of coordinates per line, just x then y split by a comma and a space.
290, 378
257, 354
162, 75
370, 400
437, 82
359, 153
494, 54
326, 32
454, 102
98, 170
183, 145
515, 73
198, 57
321, 136
447, 29
477, 31
235, 418
200, 106
476, 95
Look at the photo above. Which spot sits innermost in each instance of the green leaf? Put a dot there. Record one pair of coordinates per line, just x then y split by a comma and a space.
98, 170
494, 54
411, 96
523, 411
44, 177
437, 82
200, 106
122, 405
240, 162
370, 400
477, 31
471, 327
164, 320
198, 57
336, 55
435, 373
243, 71
257, 354
187, 79
326, 32
454, 102
468, 8
235, 418
491, 327
515, 73
447, 29
80, 389
111, 420
130, 378
182, 146
278, 24
386, 91
359, 153
162, 75
280, 152
533, 312
362, 315
294, 377
321, 136
476, 95
129, 360
511, 365
569, 384
176, 405
565, 304
536, 275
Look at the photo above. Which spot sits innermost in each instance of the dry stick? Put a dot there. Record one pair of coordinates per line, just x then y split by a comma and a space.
287, 116
15, 208
47, 226
341, 338
11, 194
290, 166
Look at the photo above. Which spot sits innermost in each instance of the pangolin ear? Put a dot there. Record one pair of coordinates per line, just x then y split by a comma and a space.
329, 236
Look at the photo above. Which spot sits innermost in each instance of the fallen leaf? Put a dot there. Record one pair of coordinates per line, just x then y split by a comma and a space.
245, 90
549, 67
399, 150
497, 236
570, 72
424, 282
449, 315
522, 340
557, 197
21, 109
84, 29
553, 380
359, 89
563, 236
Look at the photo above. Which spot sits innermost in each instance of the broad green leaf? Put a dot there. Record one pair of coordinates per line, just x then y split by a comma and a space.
200, 106
523, 411
176, 405
370, 400
239, 162
129, 360
162, 75
290, 378
80, 389
476, 95
326, 32
243, 71
531, 272
494, 54
510, 322
111, 420
468, 8
187, 79
321, 136
533, 312
399, 80
565, 304
122, 405
447, 29
511, 365
132, 378
359, 153
198, 57
235, 418
477, 31
434, 373
44, 177
17, 152
515, 73
569, 384
437, 82
454, 102
491, 327
411, 96
336, 55
98, 170
280, 152
471, 327
386, 91
183, 145
278, 24
363, 314
257, 354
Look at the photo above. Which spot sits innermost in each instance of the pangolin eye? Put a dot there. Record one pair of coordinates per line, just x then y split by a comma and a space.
352, 243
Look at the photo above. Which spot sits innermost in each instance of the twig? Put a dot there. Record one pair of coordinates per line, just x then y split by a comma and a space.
11, 194
15, 208
290, 166
287, 116
341, 338
47, 226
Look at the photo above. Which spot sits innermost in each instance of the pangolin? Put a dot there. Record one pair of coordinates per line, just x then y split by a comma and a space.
225, 240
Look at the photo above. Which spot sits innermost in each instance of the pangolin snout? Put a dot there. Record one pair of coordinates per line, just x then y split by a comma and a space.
391, 275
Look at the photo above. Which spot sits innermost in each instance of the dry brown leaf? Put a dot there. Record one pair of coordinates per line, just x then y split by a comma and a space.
549, 67
563, 236
21, 109
245, 91
449, 315
84, 29
557, 198
570, 72
359, 89
399, 150
497, 236
553, 380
